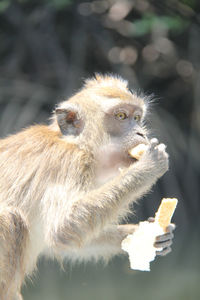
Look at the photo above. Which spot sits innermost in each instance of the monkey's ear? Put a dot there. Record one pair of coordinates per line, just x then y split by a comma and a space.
69, 121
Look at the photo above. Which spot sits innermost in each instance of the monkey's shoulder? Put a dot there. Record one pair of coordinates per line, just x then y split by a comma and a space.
36, 138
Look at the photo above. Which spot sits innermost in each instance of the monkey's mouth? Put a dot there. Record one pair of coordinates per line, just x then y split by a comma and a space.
130, 160
126, 159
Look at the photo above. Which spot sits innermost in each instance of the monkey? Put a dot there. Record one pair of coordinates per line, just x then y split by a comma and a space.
66, 187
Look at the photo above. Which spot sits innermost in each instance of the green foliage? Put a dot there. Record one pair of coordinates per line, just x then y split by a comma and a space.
4, 4
148, 22
190, 3
59, 4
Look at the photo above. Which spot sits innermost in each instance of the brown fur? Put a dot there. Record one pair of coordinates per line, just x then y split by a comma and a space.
50, 202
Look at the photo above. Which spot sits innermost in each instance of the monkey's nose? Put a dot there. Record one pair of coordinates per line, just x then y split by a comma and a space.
140, 134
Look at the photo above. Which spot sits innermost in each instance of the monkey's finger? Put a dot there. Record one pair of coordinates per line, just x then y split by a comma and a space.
151, 219
164, 237
164, 252
171, 227
161, 147
154, 142
164, 244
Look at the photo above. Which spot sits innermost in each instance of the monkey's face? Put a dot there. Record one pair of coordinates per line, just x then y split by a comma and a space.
106, 120
123, 123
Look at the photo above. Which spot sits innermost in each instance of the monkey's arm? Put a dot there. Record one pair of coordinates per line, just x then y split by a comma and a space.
108, 243
90, 214
14, 237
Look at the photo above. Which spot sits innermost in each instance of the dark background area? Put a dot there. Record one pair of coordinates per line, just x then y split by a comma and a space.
47, 49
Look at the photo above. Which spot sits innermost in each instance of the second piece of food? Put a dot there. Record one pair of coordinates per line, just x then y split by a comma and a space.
140, 244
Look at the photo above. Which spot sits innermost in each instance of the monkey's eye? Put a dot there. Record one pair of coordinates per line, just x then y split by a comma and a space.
121, 116
137, 118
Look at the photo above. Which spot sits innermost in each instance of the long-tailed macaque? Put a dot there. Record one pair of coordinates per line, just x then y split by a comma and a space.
65, 187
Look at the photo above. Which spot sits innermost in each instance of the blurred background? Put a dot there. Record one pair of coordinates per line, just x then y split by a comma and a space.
47, 49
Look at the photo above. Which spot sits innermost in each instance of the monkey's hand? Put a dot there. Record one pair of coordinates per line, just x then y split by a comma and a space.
142, 174
156, 157
165, 240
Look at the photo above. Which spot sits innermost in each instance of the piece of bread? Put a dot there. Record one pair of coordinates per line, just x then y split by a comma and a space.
165, 212
140, 244
137, 151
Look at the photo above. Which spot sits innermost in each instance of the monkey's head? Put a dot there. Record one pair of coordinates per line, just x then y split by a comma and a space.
106, 118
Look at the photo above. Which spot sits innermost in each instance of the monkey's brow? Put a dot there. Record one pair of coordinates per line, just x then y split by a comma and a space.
116, 93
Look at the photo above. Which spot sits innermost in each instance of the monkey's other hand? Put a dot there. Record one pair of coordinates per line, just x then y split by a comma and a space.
157, 156
165, 240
